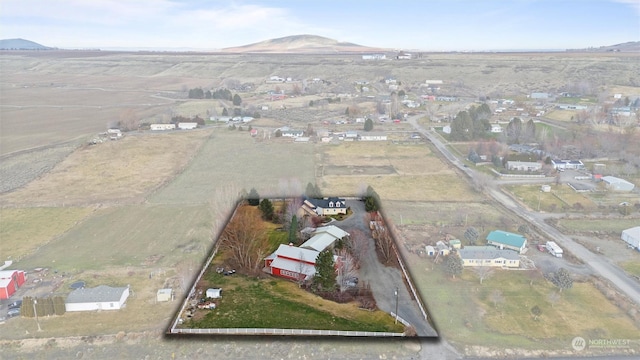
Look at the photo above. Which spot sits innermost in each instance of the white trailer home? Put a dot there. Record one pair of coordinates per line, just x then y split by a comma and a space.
162, 127
187, 125
554, 249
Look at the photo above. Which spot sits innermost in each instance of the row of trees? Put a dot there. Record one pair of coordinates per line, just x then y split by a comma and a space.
222, 94
471, 124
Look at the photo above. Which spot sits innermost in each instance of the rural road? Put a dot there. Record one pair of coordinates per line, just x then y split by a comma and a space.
384, 280
600, 265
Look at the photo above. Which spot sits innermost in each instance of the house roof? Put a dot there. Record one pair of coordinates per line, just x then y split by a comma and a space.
4, 283
164, 292
486, 253
615, 180
100, 293
7, 274
319, 241
333, 230
633, 232
429, 248
324, 203
506, 238
294, 252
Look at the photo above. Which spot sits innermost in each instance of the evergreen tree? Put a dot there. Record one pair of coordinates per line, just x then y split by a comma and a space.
453, 265
266, 208
368, 125
462, 127
225, 112
562, 279
253, 198
371, 200
514, 130
237, 100
313, 191
293, 230
325, 277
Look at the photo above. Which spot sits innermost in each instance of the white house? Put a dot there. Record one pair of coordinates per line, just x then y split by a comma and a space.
162, 127
323, 207
98, 298
324, 237
632, 237
496, 128
187, 125
524, 165
488, 256
372, 136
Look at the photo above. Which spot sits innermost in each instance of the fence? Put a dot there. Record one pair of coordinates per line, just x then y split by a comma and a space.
284, 332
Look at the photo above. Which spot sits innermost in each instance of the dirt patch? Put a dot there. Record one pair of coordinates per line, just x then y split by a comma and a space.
358, 170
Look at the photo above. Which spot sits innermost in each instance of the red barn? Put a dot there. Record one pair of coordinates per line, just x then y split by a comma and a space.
10, 281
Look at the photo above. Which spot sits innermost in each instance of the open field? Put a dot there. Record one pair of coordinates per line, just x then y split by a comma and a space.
23, 230
244, 300
561, 197
234, 159
612, 224
497, 314
561, 115
137, 236
112, 171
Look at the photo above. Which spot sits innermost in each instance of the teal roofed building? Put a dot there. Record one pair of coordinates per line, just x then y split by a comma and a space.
506, 240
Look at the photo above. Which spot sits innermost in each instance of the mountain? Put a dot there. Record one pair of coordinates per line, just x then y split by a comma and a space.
307, 44
21, 44
631, 46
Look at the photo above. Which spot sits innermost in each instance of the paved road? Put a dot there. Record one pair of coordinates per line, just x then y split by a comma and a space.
384, 279
600, 265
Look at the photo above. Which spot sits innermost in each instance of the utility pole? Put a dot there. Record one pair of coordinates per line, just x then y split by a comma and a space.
35, 312
395, 292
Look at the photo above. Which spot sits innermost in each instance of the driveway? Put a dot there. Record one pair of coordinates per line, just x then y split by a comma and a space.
384, 280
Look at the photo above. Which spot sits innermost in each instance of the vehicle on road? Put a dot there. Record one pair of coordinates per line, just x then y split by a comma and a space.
15, 305
13, 313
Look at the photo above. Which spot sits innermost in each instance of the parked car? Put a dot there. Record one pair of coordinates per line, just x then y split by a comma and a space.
13, 313
15, 305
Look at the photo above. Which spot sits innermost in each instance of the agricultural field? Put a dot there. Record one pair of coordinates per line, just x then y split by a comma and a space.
497, 314
560, 198
23, 230
111, 172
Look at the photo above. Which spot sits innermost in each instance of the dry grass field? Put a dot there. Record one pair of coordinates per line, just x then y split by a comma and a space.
111, 172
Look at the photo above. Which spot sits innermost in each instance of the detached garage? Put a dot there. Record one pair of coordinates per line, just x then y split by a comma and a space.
214, 293
98, 298
632, 237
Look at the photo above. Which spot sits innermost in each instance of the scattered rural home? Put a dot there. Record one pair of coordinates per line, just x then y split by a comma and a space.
617, 184
374, 57
98, 298
524, 165
430, 250
506, 240
446, 98
442, 248
162, 127
446, 129
324, 237
164, 295
224, 119
554, 249
567, 164
292, 133
632, 237
496, 128
10, 281
187, 125
571, 107
213, 293
323, 207
488, 256
246, 119
372, 136
351, 134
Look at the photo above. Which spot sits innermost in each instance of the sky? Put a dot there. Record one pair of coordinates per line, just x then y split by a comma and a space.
428, 25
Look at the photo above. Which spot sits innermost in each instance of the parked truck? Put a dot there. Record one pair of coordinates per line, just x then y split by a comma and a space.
554, 249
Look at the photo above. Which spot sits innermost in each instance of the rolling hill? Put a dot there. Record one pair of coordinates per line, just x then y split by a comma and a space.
21, 44
301, 44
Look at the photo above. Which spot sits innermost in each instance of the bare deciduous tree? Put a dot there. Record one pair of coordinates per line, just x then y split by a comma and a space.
384, 243
358, 245
346, 267
245, 240
483, 272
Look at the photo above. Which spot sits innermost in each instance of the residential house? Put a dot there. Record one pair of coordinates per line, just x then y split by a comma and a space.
292, 133
496, 128
187, 125
324, 207
455, 244
162, 127
98, 298
567, 164
372, 136
506, 240
524, 165
488, 256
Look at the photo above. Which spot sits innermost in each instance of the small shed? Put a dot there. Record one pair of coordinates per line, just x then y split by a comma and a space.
164, 295
545, 188
455, 244
214, 293
430, 250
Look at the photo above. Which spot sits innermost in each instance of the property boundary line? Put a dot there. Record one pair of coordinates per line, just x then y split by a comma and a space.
284, 332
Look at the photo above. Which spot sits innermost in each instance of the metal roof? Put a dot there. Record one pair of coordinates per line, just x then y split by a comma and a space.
487, 253
506, 238
100, 293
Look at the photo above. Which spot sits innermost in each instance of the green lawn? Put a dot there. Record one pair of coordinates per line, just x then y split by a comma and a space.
276, 303
632, 267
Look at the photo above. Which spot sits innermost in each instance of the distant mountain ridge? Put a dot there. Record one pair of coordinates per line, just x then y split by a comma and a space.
301, 44
630, 46
21, 44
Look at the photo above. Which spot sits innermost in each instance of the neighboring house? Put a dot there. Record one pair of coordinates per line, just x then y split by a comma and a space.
617, 184
187, 125
292, 133
374, 57
324, 237
632, 237
524, 165
98, 298
10, 281
446, 129
496, 128
567, 164
455, 244
324, 207
162, 127
506, 240
488, 256
369, 136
